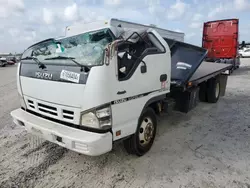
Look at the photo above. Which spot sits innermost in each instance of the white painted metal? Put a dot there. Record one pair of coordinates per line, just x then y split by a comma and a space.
80, 27
126, 114
163, 32
84, 142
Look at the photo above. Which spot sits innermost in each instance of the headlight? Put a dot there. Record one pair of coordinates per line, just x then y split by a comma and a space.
90, 120
99, 118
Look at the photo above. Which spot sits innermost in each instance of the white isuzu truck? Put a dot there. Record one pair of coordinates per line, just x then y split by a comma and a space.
107, 81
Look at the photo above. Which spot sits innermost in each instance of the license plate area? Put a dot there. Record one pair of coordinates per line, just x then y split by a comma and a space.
59, 140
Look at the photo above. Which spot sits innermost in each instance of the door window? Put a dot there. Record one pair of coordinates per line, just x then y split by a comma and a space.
131, 54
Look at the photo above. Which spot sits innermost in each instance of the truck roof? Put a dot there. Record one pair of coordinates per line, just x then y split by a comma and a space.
212, 21
165, 33
81, 27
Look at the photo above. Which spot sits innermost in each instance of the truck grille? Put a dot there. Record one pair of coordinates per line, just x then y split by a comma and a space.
52, 111
68, 114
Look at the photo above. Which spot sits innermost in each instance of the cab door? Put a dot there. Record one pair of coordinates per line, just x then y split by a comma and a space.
148, 75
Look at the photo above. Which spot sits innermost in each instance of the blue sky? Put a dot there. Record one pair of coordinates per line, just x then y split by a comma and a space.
24, 22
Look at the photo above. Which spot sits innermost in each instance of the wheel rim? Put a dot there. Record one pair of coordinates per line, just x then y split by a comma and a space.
217, 91
146, 131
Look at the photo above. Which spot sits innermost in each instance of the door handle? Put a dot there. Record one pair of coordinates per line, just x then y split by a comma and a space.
163, 78
121, 92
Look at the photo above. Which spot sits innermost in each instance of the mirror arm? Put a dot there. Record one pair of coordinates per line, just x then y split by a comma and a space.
138, 36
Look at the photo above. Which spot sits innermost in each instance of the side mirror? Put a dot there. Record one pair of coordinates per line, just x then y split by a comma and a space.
144, 68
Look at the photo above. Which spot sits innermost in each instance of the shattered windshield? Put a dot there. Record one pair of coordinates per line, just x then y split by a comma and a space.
86, 49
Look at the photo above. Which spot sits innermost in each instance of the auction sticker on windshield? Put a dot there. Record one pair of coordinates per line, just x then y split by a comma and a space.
70, 76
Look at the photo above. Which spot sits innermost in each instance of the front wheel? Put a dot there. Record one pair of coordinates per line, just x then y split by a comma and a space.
141, 142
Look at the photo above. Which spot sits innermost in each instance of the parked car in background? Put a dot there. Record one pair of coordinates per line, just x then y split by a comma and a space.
11, 60
244, 52
3, 62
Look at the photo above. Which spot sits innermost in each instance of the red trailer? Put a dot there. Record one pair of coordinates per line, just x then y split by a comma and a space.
220, 38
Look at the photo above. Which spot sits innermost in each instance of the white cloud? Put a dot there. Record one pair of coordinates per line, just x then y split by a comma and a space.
197, 17
190, 35
241, 4
154, 6
178, 30
15, 4
48, 16
229, 7
33, 34
28, 38
177, 10
71, 12
195, 25
14, 32
26, 21
112, 2
217, 10
156, 9
8, 7
195, 1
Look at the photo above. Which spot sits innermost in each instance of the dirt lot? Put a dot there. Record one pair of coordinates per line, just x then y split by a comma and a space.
208, 147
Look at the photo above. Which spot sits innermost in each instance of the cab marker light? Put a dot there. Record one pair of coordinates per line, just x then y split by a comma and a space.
118, 133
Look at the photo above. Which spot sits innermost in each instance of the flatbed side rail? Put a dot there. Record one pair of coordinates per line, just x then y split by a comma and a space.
209, 75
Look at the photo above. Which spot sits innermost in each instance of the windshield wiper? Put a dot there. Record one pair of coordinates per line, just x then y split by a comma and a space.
73, 60
40, 64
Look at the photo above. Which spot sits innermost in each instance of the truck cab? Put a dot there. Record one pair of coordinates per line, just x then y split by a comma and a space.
92, 87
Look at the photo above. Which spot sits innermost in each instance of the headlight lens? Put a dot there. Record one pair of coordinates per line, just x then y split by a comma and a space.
100, 118
90, 120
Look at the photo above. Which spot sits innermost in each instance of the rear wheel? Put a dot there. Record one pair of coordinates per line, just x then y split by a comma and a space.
141, 142
213, 90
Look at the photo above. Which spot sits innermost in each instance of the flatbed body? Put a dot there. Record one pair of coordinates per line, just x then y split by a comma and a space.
188, 68
208, 70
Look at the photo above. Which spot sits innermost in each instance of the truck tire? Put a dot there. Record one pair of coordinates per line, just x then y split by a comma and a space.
141, 142
213, 90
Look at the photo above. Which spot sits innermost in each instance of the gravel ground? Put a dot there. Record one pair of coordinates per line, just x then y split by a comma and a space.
207, 148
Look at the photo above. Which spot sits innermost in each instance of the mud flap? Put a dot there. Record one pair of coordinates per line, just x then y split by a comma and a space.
187, 100
223, 84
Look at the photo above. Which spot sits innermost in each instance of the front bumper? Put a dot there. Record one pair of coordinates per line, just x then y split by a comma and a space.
81, 141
